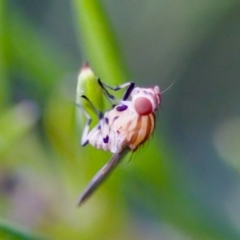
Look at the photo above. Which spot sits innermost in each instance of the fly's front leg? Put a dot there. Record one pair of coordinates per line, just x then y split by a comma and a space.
113, 101
129, 85
86, 133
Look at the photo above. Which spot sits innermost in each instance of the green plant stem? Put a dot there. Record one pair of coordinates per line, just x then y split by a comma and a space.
98, 41
4, 81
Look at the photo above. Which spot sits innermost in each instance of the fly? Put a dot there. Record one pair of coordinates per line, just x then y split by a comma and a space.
124, 128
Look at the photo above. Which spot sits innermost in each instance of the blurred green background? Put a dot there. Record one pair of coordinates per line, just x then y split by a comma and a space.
182, 184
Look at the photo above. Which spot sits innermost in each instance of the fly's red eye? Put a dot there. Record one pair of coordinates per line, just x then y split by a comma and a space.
143, 106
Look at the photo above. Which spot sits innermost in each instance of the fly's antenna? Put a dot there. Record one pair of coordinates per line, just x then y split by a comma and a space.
168, 88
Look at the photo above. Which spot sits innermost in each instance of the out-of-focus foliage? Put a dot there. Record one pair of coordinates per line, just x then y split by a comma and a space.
9, 231
176, 186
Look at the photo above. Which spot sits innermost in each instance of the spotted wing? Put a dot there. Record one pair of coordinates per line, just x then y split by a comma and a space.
101, 175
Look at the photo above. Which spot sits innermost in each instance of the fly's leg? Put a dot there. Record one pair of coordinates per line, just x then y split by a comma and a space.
84, 139
103, 121
129, 85
86, 133
112, 100
102, 126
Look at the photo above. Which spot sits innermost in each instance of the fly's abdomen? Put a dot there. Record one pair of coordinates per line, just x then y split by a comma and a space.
140, 130
133, 128
113, 142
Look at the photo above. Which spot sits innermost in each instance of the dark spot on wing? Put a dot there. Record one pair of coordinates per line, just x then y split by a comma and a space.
121, 108
106, 139
115, 118
106, 120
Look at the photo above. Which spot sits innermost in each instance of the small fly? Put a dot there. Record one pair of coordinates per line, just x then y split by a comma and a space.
124, 128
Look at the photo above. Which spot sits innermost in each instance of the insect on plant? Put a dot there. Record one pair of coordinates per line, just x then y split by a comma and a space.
124, 128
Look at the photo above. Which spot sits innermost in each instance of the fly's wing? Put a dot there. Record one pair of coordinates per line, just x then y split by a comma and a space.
101, 175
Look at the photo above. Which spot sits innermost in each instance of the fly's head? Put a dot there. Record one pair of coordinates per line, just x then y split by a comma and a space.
146, 100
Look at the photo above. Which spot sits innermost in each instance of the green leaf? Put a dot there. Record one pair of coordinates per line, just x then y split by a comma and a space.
10, 232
